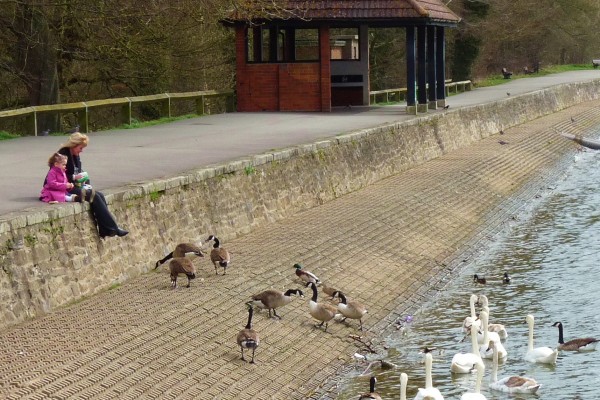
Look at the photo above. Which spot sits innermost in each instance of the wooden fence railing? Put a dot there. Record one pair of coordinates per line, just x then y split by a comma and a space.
399, 94
84, 108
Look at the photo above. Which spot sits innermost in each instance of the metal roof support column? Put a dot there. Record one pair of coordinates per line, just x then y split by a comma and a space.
440, 59
411, 98
421, 69
431, 68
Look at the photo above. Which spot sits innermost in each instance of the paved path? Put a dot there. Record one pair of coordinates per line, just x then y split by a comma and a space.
386, 245
120, 157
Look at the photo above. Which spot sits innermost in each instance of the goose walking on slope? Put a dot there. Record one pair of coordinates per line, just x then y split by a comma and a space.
579, 344
540, 355
351, 309
248, 338
219, 255
272, 299
181, 250
320, 311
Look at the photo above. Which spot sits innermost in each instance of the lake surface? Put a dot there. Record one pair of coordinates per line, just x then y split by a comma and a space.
552, 256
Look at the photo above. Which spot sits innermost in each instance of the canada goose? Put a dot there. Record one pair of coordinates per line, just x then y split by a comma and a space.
580, 344
510, 384
248, 338
472, 319
219, 255
490, 336
541, 355
429, 393
305, 275
320, 311
463, 363
500, 329
505, 278
329, 290
476, 395
478, 279
181, 250
351, 309
273, 299
372, 393
181, 265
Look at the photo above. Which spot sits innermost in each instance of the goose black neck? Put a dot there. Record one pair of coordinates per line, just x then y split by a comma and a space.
372, 384
342, 297
216, 242
249, 324
314, 290
561, 339
291, 291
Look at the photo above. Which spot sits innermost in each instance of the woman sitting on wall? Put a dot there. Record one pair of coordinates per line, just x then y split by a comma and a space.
106, 223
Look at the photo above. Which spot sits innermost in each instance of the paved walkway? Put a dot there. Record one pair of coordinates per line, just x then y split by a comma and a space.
386, 245
120, 157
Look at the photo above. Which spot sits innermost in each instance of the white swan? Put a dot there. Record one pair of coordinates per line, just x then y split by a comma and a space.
463, 363
476, 395
429, 393
403, 385
510, 384
500, 329
472, 319
484, 352
541, 355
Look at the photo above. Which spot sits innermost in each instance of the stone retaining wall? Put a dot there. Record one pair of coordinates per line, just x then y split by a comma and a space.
53, 256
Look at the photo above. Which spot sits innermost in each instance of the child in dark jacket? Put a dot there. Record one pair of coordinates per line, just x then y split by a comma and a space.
56, 184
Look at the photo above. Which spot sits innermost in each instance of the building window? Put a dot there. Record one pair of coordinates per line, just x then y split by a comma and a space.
275, 44
344, 44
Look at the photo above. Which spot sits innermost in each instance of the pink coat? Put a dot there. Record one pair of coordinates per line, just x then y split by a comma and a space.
55, 188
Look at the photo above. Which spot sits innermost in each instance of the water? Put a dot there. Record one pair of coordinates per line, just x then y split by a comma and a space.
552, 258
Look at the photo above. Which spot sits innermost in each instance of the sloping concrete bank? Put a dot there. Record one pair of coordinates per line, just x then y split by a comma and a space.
52, 256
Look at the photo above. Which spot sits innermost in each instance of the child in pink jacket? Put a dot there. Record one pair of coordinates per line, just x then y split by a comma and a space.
56, 184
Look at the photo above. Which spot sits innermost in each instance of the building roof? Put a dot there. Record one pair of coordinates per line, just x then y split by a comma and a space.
384, 12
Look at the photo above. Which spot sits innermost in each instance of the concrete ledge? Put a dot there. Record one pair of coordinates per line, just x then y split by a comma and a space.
50, 256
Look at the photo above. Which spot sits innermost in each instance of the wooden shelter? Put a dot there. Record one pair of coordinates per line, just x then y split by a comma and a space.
301, 55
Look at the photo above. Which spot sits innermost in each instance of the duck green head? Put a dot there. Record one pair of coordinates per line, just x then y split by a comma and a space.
297, 266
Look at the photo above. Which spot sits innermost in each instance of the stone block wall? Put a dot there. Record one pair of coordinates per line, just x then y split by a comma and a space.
52, 256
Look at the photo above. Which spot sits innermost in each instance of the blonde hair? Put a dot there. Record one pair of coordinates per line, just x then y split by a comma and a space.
76, 139
56, 158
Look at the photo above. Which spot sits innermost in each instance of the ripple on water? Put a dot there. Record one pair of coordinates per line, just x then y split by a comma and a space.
553, 260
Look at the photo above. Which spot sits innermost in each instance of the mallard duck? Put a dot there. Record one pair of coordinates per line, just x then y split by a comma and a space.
505, 278
478, 279
510, 384
273, 299
351, 309
181, 265
305, 275
248, 338
329, 290
541, 355
219, 255
372, 394
320, 311
182, 250
580, 344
